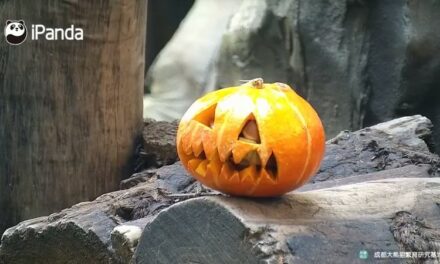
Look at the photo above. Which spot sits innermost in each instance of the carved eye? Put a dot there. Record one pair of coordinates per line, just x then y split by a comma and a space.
271, 166
207, 116
12, 26
252, 140
20, 26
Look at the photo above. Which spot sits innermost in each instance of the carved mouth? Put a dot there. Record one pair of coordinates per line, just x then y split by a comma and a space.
248, 138
200, 163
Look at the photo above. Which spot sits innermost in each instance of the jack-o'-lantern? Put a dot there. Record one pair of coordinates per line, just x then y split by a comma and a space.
255, 140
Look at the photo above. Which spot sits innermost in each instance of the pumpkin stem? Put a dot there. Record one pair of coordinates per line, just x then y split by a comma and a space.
256, 83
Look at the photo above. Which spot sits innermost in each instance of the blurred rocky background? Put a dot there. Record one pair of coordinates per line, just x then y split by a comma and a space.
358, 62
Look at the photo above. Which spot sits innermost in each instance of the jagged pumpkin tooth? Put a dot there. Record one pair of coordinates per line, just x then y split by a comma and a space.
226, 171
197, 146
185, 143
264, 155
196, 139
249, 174
266, 175
241, 150
253, 158
214, 167
201, 168
224, 155
234, 179
186, 139
186, 147
194, 163
208, 146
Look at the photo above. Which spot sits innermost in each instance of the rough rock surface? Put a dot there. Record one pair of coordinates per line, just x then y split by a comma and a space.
106, 229
358, 62
322, 226
393, 144
172, 177
388, 145
124, 240
158, 144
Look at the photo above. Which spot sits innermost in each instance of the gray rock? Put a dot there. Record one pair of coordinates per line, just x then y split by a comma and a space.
94, 232
172, 177
409, 171
317, 46
322, 226
72, 236
90, 232
159, 143
388, 145
125, 238
137, 178
161, 28
357, 62
403, 66
185, 68
217, 231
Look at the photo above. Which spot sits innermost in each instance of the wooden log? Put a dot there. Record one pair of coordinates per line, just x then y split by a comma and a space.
70, 110
322, 226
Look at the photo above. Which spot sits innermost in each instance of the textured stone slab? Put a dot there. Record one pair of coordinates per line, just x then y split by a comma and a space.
106, 230
322, 226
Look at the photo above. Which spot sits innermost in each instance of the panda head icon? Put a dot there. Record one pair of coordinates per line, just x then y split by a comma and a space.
15, 32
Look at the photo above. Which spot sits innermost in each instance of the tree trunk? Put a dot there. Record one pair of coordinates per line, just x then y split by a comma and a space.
70, 110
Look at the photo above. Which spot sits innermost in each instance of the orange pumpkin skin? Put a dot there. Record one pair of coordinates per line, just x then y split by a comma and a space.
289, 149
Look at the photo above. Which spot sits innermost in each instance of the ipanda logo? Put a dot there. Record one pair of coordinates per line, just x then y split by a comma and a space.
16, 32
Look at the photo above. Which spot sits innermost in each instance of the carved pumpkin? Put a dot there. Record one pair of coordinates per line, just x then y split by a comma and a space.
251, 140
